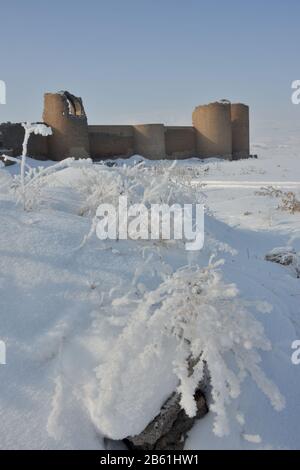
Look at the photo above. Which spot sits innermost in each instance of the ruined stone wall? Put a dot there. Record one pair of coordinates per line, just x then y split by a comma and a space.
125, 141
12, 136
111, 141
149, 141
220, 129
180, 142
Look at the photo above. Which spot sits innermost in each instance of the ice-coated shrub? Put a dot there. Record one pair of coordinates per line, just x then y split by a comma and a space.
192, 317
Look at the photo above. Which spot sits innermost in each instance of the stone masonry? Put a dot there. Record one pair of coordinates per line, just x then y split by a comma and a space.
219, 129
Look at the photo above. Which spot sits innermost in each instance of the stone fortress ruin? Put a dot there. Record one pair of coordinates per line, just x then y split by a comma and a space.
219, 129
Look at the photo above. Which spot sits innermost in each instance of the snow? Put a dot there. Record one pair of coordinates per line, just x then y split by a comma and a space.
214, 325
86, 355
255, 439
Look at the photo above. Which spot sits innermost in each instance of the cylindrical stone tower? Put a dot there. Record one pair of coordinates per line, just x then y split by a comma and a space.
240, 131
149, 141
65, 114
213, 130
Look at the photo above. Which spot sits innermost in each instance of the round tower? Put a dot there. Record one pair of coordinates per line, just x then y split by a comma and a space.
240, 131
65, 114
213, 129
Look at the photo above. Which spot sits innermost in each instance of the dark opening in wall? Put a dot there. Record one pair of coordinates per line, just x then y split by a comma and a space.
75, 105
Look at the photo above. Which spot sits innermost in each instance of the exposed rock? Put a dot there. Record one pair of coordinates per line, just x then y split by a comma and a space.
9, 154
168, 431
286, 257
282, 256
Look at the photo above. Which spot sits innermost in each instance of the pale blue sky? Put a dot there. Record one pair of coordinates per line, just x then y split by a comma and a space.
150, 60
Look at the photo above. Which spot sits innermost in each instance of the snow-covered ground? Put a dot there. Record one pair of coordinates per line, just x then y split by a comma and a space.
81, 364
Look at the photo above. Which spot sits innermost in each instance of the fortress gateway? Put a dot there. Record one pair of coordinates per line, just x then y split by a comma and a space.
220, 129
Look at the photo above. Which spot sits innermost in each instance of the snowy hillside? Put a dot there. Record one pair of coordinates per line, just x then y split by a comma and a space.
89, 324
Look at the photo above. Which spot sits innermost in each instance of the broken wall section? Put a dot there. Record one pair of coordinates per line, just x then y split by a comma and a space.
11, 139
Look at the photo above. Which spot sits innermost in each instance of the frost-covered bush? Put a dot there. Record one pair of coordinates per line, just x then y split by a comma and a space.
20, 183
37, 179
192, 317
141, 183
29, 183
288, 200
101, 184
36, 129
